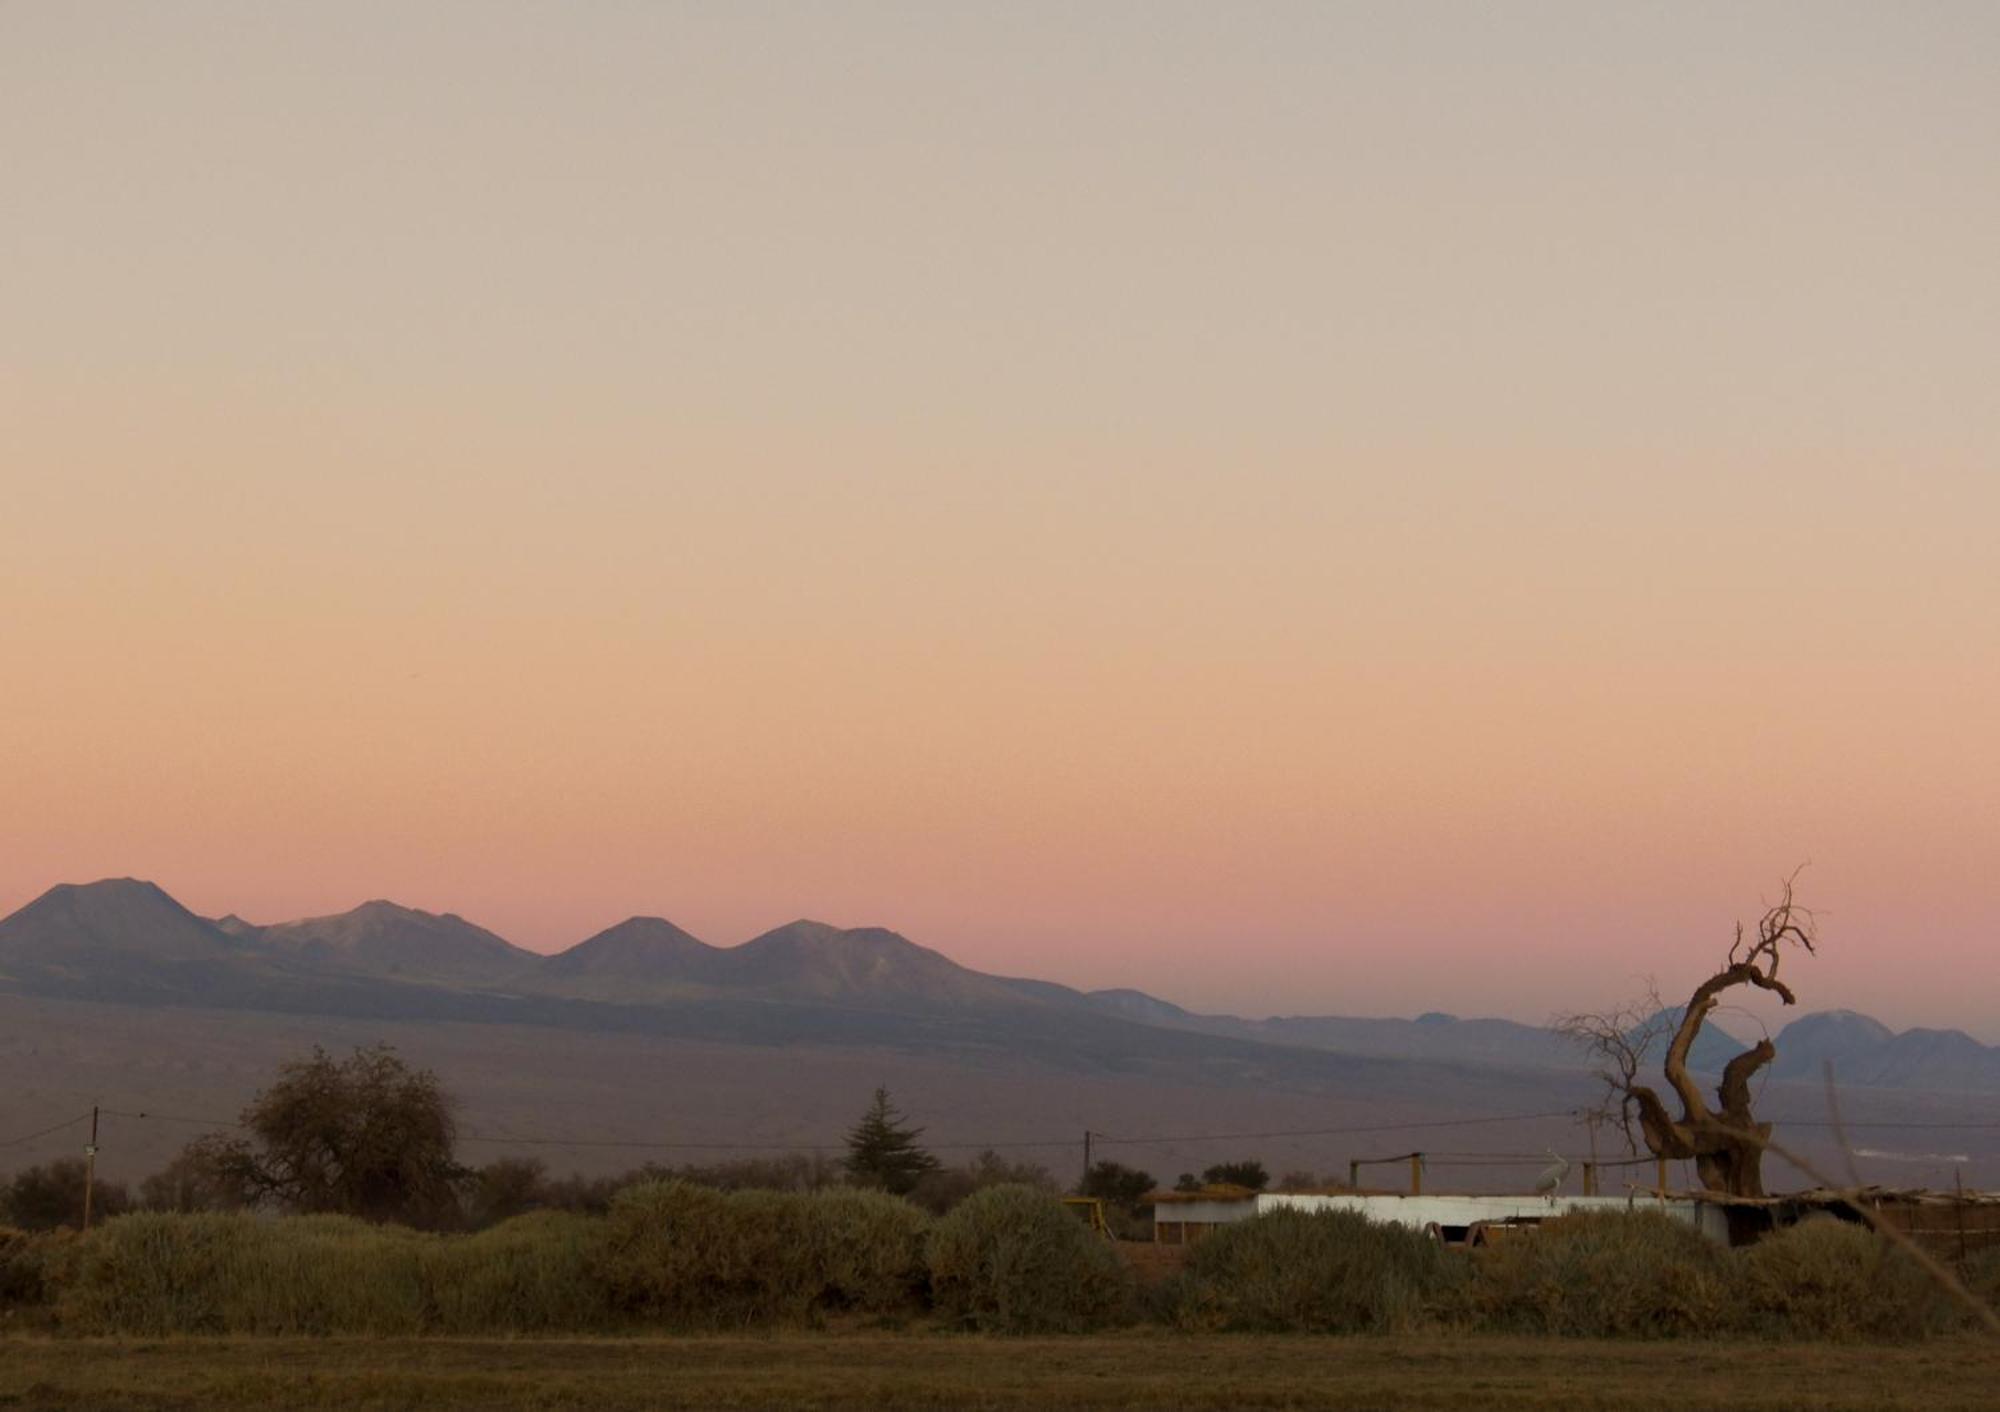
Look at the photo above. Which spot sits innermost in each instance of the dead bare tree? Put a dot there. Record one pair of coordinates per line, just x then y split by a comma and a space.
1725, 1141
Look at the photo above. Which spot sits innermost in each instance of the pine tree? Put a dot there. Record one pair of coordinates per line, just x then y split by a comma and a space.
882, 1151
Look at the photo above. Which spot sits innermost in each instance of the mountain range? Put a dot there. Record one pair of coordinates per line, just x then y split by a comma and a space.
129, 942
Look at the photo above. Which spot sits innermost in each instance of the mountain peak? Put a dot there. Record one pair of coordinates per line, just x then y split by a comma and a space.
806, 933
129, 890
387, 938
874, 966
113, 916
1849, 1026
641, 951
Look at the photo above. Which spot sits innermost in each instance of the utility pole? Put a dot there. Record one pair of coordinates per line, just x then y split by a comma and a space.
90, 1169
1086, 1158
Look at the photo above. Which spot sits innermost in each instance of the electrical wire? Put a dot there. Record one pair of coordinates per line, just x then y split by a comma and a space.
44, 1132
1102, 1140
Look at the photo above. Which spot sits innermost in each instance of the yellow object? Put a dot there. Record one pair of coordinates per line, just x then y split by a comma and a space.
1092, 1210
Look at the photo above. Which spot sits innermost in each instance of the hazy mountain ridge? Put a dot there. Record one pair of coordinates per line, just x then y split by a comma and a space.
1863, 1050
384, 939
130, 941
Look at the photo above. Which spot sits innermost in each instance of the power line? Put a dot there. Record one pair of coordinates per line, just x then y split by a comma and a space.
1027, 1144
1345, 1131
174, 1118
56, 1128
1851, 1123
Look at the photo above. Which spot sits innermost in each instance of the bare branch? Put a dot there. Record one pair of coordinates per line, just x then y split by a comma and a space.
1620, 1041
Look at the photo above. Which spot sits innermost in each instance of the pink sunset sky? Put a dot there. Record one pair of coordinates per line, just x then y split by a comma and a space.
1298, 508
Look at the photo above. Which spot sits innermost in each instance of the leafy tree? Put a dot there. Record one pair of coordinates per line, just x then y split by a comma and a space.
941, 1190
786, 1171
1187, 1181
1116, 1183
882, 1150
1248, 1172
45, 1197
365, 1136
504, 1188
198, 1179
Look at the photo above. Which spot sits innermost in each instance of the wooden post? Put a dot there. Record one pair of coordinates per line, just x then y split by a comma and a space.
89, 1169
1416, 1174
1590, 1179
1663, 1178
1354, 1175
1958, 1183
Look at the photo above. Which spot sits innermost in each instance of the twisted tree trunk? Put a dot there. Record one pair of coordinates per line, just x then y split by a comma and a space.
1724, 1139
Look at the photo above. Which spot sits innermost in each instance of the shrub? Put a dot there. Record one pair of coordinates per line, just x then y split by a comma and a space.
689, 1255
695, 1257
535, 1273
1012, 1259
790, 1171
50, 1196
1602, 1274
1310, 1271
1830, 1279
152, 1273
20, 1270
1982, 1275
939, 1190
1248, 1173
868, 1250
30, 1268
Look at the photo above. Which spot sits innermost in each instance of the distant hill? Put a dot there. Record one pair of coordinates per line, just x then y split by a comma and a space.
1713, 1046
1866, 1051
808, 960
384, 939
641, 957
810, 982
121, 918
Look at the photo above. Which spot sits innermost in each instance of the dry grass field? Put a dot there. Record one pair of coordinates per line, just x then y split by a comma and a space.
938, 1371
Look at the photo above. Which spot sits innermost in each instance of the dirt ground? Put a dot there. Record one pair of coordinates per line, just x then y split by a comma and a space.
942, 1371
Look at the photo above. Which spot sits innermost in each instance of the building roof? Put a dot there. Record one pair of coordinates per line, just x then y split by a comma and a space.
1220, 1192
1841, 1196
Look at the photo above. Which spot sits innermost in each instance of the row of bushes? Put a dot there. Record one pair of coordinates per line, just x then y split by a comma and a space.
667, 1255
51, 1195
1009, 1259
1635, 1274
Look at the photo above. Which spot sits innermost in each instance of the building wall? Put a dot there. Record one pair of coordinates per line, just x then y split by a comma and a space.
1421, 1212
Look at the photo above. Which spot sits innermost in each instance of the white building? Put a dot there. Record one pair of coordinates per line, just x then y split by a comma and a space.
1179, 1217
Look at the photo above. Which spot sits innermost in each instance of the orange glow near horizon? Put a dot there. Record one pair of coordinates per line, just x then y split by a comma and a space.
1446, 521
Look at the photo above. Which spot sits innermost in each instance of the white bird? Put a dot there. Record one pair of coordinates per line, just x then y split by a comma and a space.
1552, 1179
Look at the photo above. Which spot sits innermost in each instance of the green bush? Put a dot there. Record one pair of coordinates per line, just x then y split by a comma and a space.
868, 1250
31, 1267
1310, 1272
1012, 1259
691, 1256
1982, 1275
1602, 1274
158, 1273
20, 1269
1830, 1279
535, 1273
